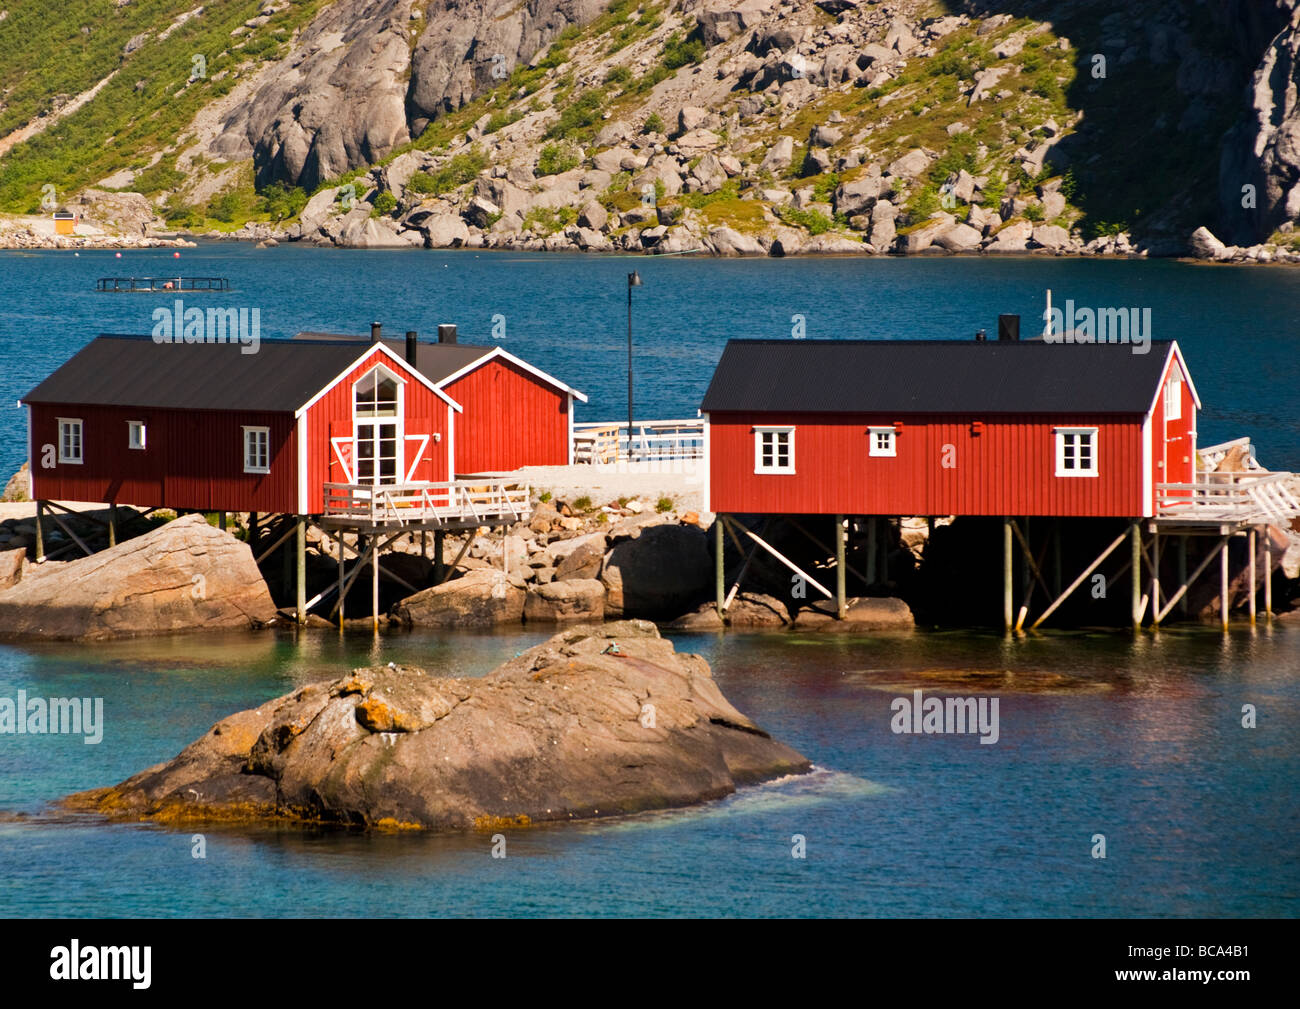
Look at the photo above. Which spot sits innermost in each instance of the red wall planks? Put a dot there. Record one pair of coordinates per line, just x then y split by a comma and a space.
511, 419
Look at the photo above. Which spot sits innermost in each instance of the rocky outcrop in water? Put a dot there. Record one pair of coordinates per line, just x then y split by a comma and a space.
183, 576
597, 721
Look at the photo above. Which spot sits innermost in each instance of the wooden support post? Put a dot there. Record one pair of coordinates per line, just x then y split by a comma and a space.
1181, 594
871, 550
301, 580
439, 567
1268, 575
884, 552
252, 532
424, 544
1007, 574
788, 563
1056, 558
374, 585
1135, 580
1182, 572
841, 603
1155, 577
1079, 581
719, 572
1223, 584
40, 532
221, 521
1252, 545
112, 525
342, 534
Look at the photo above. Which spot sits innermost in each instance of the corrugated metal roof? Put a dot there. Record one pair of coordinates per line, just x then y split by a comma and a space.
135, 371
934, 376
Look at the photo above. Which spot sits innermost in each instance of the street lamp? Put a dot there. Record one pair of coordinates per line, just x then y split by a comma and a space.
633, 280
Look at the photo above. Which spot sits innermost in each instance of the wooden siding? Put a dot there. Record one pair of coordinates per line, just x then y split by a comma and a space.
1173, 446
192, 459
424, 413
1009, 469
512, 419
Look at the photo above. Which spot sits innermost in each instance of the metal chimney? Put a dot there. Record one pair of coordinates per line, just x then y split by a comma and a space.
1008, 328
376, 332
412, 348
980, 336
447, 333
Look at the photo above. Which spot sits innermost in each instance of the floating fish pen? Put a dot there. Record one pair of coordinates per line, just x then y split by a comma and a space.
148, 285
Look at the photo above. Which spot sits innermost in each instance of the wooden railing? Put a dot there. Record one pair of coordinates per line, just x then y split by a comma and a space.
487, 501
1231, 497
607, 442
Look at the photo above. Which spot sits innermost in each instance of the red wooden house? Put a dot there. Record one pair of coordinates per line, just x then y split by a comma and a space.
1010, 428
203, 426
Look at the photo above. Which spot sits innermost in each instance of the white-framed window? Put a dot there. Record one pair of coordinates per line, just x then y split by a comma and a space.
257, 450
1076, 451
773, 450
70, 444
1174, 398
135, 434
882, 441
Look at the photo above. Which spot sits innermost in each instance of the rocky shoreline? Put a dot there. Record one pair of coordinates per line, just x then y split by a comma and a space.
598, 721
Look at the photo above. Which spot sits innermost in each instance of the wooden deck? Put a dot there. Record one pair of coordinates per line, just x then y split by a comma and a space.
454, 504
1251, 497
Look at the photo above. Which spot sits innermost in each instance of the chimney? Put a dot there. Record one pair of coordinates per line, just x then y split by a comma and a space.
447, 332
980, 336
1008, 328
375, 332
412, 348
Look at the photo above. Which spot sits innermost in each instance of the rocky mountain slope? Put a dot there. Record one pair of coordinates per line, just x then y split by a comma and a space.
740, 127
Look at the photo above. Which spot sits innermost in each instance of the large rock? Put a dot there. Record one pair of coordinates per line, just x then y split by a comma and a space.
959, 238
1012, 237
597, 721
479, 598
11, 566
19, 487
730, 242
862, 614
779, 156
582, 562
720, 20
659, 573
183, 576
573, 599
857, 196
883, 229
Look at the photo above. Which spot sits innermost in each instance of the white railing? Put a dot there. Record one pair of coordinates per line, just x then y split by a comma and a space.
607, 442
486, 501
1232, 497
1212, 455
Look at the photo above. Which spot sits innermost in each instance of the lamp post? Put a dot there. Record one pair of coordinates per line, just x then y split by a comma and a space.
633, 280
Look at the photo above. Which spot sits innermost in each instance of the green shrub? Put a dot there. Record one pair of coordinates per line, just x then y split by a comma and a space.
501, 119
664, 504
1034, 212
556, 158
618, 75
680, 51
544, 496
814, 221
280, 202
653, 123
385, 203
462, 168
580, 117
582, 504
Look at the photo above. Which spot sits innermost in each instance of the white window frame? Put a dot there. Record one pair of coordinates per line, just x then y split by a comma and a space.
266, 433
132, 426
874, 448
1174, 397
774, 467
67, 424
1059, 436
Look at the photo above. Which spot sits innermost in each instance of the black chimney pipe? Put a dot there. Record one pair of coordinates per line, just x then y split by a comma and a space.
412, 348
447, 332
375, 332
980, 336
1009, 328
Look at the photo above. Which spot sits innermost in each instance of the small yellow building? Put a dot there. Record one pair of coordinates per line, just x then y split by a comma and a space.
65, 222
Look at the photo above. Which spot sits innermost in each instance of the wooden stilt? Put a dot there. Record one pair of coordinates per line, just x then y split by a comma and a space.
424, 544
71, 535
276, 545
884, 552
744, 567
1268, 575
342, 535
787, 562
1182, 572
469, 538
1101, 559
374, 585
439, 566
1056, 558
1007, 573
252, 532
841, 603
1223, 585
221, 521
871, 550
1155, 578
849, 568
1181, 594
301, 580
40, 531
1251, 545
112, 525
1135, 542
719, 570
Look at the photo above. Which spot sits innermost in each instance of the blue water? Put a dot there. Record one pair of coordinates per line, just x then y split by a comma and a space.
1239, 326
1143, 743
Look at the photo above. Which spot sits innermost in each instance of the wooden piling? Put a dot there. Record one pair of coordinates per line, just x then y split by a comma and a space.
1182, 572
1223, 584
1007, 574
871, 550
112, 525
1135, 544
439, 568
301, 580
1268, 575
374, 584
841, 603
1155, 578
719, 576
40, 532
1252, 545
342, 535
221, 521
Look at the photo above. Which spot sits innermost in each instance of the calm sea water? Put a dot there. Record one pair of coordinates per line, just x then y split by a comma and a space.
1239, 326
1139, 739
1142, 743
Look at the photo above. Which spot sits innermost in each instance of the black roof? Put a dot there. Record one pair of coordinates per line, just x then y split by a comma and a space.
135, 371
934, 376
435, 360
